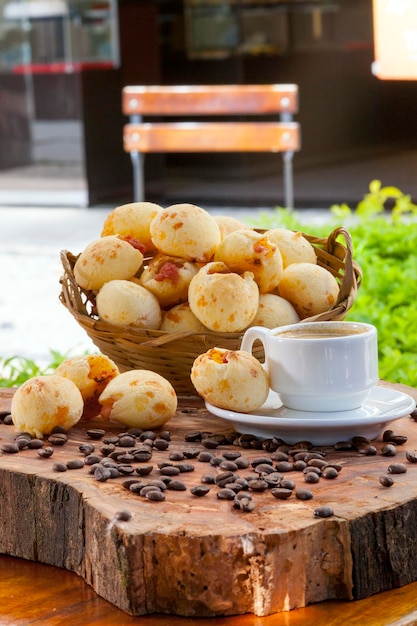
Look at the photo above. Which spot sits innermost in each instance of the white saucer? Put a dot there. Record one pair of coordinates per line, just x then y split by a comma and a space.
273, 419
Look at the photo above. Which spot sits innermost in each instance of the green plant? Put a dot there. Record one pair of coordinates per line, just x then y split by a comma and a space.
384, 235
16, 370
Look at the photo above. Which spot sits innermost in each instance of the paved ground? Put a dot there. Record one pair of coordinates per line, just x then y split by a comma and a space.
32, 319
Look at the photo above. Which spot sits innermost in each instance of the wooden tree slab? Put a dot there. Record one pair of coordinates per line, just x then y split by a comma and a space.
200, 556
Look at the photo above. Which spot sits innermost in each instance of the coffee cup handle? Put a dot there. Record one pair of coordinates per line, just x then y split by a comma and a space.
253, 334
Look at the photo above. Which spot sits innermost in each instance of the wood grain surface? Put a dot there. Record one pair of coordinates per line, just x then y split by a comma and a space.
200, 556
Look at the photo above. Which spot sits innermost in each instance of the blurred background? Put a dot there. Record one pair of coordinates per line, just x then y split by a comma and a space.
63, 64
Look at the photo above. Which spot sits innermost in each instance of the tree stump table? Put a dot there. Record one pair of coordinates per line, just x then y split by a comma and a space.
201, 556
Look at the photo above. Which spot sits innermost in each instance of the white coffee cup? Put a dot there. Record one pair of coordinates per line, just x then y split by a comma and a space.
319, 366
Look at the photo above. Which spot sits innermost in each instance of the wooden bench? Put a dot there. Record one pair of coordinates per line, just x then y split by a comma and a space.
148, 129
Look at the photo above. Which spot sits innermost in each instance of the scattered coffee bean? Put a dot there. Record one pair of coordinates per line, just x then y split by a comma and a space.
287, 483
246, 505
281, 493
208, 479
154, 495
177, 485
185, 467
242, 462
299, 465
194, 436
10, 448
411, 456
386, 481
126, 470
95, 433
111, 440
86, 448
389, 450
46, 452
399, 440
226, 494
169, 470
387, 434
232, 455
323, 511
142, 455
176, 456
367, 450
257, 485
199, 490
8, 420
190, 454
75, 464
102, 473
58, 439
397, 468
3, 415
311, 477
144, 470
284, 466
320, 463
330, 473
413, 415
343, 446
210, 443
228, 465
59, 467
303, 494
123, 516
127, 441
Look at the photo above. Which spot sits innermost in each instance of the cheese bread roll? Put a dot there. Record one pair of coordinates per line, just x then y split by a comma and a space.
186, 231
294, 247
44, 402
168, 278
125, 303
139, 399
229, 224
249, 251
132, 221
310, 288
221, 299
90, 373
105, 259
180, 317
230, 379
274, 311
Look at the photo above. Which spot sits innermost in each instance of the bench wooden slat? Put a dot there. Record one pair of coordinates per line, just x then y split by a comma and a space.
209, 99
212, 137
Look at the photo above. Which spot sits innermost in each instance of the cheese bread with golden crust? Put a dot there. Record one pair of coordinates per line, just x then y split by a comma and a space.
221, 299
105, 259
294, 247
139, 399
230, 379
44, 402
249, 251
168, 277
274, 311
311, 289
186, 231
127, 304
180, 317
90, 373
132, 220
228, 224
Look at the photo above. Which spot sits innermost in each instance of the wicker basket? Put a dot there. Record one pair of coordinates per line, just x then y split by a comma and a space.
172, 354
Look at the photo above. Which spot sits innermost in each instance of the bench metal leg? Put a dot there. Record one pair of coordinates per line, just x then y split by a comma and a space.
138, 176
288, 180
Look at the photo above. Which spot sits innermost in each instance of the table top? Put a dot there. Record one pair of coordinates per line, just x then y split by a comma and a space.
36, 593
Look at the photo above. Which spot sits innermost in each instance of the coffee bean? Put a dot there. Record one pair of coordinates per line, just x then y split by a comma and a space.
320, 463
154, 495
311, 477
299, 465
226, 494
323, 511
205, 457
176, 456
389, 450
123, 516
142, 455
411, 456
263, 468
282, 456
75, 464
58, 429
148, 434
330, 473
46, 452
147, 488
58, 439
126, 470
232, 455
10, 448
185, 467
8, 420
257, 485
86, 448
303, 494
209, 479
194, 436
95, 433
397, 468
177, 485
367, 450
112, 440
169, 470
284, 466
273, 479
343, 446
91, 459
386, 481
102, 473
281, 493
386, 436
199, 491
413, 415
399, 440
244, 504
190, 454
59, 467
261, 460
127, 441
310, 469
287, 483
242, 462
210, 444
3, 415
144, 470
